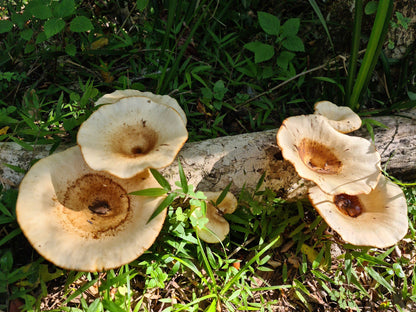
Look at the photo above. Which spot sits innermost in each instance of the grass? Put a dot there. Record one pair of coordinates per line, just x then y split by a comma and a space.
215, 59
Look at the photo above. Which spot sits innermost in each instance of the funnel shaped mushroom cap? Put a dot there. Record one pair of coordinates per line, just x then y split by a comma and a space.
81, 219
341, 118
156, 98
336, 162
217, 228
130, 136
381, 223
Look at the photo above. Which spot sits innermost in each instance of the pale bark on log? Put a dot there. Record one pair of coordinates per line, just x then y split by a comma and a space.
211, 165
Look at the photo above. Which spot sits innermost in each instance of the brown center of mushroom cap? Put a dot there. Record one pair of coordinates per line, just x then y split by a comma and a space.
95, 205
134, 141
318, 157
348, 204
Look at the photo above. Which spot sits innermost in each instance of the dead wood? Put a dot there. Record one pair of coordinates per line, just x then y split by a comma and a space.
242, 159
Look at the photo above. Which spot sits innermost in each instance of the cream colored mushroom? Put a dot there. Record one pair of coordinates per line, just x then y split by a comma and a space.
81, 219
336, 162
217, 228
342, 118
130, 136
117, 95
377, 219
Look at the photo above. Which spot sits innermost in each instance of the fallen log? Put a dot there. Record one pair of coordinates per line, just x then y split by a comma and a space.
242, 159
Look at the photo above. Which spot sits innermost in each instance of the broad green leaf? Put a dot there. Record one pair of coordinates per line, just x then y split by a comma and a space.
153, 192
219, 90
5, 26
80, 24
164, 204
160, 179
293, 43
262, 52
39, 9
71, 49
63, 8
26, 34
269, 23
284, 58
53, 26
371, 7
141, 4
291, 27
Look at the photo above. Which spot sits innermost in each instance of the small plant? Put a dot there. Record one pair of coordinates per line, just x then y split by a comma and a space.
285, 44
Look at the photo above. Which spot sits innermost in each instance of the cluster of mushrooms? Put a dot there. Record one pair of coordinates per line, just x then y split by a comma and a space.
75, 209
350, 193
74, 206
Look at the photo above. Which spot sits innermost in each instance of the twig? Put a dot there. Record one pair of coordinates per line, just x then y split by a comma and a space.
333, 61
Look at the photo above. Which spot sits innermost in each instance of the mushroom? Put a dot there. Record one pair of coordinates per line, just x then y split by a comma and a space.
81, 219
336, 162
377, 219
130, 136
342, 118
117, 95
217, 228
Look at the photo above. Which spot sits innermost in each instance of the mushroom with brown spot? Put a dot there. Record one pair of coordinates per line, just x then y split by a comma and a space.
342, 118
336, 162
81, 219
129, 136
217, 227
378, 219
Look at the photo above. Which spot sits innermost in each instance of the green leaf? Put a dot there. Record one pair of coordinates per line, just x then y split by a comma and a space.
15, 168
284, 58
219, 90
160, 179
262, 52
23, 144
269, 23
53, 26
63, 8
182, 177
141, 4
164, 204
5, 26
39, 9
26, 34
71, 49
291, 27
223, 194
293, 43
153, 192
80, 24
10, 236
378, 278
371, 7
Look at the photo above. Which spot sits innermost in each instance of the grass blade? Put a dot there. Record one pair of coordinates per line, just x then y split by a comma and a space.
318, 12
182, 177
164, 204
249, 263
160, 179
355, 47
378, 33
223, 194
152, 192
